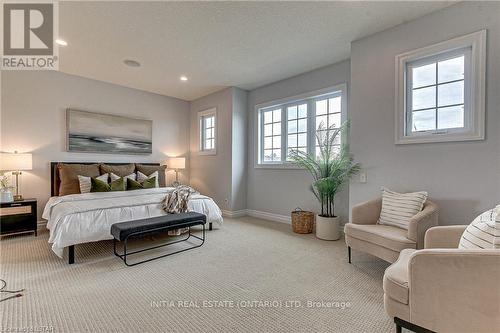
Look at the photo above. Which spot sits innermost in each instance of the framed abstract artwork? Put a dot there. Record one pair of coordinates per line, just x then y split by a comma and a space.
105, 133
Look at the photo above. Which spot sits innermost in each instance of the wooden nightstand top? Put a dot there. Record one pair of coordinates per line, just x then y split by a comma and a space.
16, 203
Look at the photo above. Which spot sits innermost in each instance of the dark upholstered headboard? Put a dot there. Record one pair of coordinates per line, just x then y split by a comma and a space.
55, 181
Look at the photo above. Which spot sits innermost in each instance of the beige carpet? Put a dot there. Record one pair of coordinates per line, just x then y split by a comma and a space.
250, 276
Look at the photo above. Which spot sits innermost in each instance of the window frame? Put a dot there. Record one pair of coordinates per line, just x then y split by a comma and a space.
474, 89
466, 52
309, 139
201, 130
310, 98
262, 137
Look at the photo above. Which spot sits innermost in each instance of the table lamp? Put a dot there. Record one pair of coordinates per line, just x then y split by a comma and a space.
16, 163
176, 163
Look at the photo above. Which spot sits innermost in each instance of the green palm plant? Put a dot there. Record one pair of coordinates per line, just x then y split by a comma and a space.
331, 169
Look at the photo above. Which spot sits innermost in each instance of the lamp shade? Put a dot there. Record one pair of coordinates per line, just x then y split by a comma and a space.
176, 163
15, 162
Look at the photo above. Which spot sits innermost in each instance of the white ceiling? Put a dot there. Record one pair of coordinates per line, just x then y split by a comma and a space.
216, 44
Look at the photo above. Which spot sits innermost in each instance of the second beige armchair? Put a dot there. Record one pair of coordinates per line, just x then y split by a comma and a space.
443, 288
385, 241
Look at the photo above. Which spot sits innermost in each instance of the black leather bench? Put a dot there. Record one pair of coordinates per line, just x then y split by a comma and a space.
124, 231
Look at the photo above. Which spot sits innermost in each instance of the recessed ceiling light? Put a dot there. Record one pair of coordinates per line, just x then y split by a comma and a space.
61, 42
183, 78
131, 63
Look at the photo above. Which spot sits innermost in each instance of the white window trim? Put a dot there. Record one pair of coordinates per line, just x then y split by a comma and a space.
475, 131
201, 114
342, 88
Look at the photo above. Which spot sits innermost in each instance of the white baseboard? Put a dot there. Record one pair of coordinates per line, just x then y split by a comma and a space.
258, 214
235, 213
269, 216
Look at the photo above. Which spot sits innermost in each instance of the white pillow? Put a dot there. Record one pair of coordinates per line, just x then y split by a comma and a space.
115, 177
483, 232
142, 177
399, 208
85, 183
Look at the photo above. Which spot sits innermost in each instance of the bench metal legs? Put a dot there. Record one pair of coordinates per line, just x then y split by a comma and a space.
126, 253
71, 248
349, 253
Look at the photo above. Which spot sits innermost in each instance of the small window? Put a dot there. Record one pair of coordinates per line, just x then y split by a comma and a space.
436, 92
208, 131
440, 91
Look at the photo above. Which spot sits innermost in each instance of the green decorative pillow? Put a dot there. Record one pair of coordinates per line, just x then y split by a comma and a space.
97, 185
118, 185
149, 183
135, 185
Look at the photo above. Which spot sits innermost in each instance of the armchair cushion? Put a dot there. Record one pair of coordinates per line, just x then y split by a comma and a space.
396, 278
399, 208
483, 232
383, 235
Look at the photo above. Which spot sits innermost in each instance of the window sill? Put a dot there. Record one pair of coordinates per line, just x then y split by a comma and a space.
445, 137
207, 152
285, 166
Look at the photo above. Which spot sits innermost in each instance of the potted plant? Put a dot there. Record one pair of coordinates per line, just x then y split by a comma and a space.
5, 189
331, 169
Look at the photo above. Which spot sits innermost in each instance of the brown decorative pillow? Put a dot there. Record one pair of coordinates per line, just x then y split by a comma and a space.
119, 170
149, 169
68, 174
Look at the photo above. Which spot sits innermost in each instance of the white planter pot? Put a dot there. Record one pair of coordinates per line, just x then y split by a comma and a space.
6, 196
327, 228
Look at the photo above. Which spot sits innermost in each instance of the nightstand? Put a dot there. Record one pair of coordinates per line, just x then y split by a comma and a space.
18, 217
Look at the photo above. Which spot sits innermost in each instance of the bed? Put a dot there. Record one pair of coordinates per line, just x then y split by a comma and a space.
82, 218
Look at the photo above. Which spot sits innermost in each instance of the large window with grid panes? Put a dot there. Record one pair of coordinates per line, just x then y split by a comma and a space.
292, 125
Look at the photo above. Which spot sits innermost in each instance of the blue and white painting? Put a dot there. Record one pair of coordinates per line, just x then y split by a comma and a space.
105, 133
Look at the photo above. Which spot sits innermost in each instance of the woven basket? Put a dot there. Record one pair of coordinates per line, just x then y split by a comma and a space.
302, 221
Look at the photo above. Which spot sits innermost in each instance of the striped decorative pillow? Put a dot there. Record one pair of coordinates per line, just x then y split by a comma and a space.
114, 177
483, 232
399, 208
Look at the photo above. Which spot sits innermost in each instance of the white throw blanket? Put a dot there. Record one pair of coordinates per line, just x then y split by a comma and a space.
177, 201
83, 218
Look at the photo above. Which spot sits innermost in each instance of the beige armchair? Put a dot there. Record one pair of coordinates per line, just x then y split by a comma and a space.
384, 241
443, 288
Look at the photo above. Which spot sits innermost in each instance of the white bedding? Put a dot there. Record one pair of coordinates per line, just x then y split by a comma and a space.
83, 218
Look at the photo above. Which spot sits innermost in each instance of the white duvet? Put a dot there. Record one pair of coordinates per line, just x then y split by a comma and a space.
83, 218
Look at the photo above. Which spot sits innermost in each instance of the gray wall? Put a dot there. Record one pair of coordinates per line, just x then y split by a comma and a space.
239, 155
33, 120
211, 174
279, 191
221, 176
463, 177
